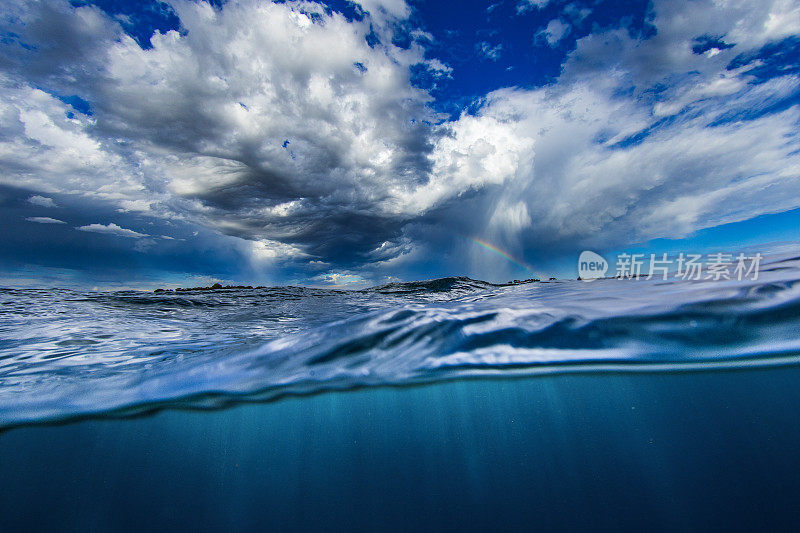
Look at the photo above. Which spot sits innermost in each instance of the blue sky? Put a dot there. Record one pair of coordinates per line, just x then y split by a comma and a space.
351, 143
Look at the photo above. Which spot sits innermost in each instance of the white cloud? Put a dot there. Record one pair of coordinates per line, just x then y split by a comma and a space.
270, 250
527, 5
397, 9
554, 32
112, 229
668, 52
340, 280
783, 20
556, 156
41, 201
438, 68
42, 149
45, 220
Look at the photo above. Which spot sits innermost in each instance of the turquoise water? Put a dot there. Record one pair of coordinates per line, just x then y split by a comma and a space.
661, 451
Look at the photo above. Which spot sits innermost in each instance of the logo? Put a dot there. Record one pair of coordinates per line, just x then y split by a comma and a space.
686, 266
591, 266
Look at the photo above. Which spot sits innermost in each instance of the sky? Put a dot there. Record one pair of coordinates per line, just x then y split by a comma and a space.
352, 143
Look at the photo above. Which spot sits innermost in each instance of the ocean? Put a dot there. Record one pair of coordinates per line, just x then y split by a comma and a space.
448, 404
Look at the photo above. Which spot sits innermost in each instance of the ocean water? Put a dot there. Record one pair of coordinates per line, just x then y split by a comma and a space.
450, 404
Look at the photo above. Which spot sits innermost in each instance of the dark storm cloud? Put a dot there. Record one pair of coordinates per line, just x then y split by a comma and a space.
229, 131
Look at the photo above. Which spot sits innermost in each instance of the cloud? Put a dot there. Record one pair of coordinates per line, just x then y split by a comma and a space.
41, 148
112, 229
44, 220
199, 123
298, 132
592, 160
488, 51
577, 13
340, 280
668, 52
41, 201
527, 5
438, 68
554, 32
393, 9
579, 179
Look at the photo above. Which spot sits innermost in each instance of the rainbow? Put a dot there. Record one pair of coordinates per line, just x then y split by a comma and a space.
498, 251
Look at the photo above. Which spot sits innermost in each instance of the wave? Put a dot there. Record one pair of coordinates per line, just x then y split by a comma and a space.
65, 354
451, 285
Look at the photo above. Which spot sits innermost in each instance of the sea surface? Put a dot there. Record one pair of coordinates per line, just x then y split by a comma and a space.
449, 404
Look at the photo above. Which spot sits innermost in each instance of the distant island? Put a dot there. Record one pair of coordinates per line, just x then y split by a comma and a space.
220, 287
214, 287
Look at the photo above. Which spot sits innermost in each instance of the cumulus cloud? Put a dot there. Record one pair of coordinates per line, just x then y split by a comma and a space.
252, 107
595, 163
44, 220
112, 229
579, 179
289, 127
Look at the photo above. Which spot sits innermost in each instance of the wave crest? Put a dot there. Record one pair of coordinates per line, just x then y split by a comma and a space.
65, 354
